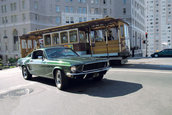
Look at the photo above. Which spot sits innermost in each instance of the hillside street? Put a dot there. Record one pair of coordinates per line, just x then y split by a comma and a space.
140, 87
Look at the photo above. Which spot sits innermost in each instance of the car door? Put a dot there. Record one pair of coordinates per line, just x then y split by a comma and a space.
35, 62
167, 53
38, 65
163, 53
170, 51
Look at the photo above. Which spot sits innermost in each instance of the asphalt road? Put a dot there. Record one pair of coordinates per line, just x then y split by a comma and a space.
141, 87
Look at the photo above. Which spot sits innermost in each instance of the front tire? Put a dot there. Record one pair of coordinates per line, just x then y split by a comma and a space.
26, 74
61, 80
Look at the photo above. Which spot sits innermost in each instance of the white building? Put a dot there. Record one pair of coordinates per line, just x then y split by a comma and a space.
159, 25
133, 12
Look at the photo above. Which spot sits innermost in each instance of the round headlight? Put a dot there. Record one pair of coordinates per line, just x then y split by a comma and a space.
73, 69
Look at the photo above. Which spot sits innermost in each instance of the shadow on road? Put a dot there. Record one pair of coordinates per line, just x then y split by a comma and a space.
44, 81
144, 66
106, 88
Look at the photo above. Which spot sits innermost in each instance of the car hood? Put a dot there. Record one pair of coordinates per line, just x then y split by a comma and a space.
78, 60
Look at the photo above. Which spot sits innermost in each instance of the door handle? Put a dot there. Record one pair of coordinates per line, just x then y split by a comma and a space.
31, 60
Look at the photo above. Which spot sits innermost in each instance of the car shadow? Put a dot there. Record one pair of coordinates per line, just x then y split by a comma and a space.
144, 66
106, 88
44, 81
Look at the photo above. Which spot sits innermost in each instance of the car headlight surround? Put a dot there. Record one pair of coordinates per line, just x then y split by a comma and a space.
73, 69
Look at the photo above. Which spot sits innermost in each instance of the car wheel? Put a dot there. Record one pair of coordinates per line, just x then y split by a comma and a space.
99, 78
61, 80
156, 55
26, 74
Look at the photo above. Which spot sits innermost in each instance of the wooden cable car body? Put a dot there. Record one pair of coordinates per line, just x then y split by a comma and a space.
107, 38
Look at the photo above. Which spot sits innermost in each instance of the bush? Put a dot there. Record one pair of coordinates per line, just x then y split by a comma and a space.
12, 60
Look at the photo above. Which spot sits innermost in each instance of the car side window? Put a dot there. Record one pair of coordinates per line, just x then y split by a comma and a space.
37, 54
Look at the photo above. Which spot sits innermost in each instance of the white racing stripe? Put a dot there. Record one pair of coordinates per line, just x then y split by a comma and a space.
141, 71
15, 87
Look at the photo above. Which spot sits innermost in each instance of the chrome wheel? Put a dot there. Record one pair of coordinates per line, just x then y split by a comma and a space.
58, 79
26, 74
61, 80
156, 55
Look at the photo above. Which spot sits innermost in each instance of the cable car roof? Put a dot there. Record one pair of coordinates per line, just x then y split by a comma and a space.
85, 26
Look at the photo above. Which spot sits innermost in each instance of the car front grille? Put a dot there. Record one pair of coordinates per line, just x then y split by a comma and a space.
94, 66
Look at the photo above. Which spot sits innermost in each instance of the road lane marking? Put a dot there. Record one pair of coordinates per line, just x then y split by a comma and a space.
15, 87
141, 71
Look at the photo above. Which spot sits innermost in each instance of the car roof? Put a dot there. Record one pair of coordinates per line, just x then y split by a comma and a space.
51, 48
168, 49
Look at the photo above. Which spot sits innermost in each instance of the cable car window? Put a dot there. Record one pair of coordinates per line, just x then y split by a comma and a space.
122, 30
73, 36
55, 37
47, 39
64, 37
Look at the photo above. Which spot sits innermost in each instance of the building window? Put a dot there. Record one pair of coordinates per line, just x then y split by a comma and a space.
24, 17
67, 9
4, 20
92, 10
104, 1
3, 9
23, 4
71, 9
96, 1
57, 20
124, 10
124, 1
68, 0
67, 19
82, 1
24, 31
84, 10
96, 11
13, 6
80, 19
79, 10
105, 11
15, 40
57, 9
71, 20
13, 18
36, 5
85, 19
36, 17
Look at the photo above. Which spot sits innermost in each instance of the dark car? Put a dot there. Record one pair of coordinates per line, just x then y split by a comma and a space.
163, 53
62, 64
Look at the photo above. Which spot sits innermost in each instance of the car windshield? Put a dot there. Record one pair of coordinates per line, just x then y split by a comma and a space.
60, 52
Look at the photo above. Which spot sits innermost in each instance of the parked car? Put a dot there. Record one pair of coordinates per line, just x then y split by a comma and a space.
0, 64
62, 64
163, 53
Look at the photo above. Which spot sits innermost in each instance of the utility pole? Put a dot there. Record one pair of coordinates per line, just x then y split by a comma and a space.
146, 44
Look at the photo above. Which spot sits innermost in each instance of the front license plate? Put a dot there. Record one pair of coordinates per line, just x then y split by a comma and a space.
95, 74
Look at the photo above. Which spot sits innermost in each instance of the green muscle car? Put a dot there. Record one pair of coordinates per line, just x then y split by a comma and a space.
61, 64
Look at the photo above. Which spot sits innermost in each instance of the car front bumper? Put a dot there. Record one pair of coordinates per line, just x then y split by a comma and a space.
85, 73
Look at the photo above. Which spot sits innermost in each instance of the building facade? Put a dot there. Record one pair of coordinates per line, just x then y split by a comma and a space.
133, 12
18, 17
159, 25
